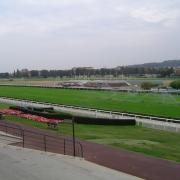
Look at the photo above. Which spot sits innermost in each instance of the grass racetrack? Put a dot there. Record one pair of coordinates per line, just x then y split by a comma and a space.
166, 105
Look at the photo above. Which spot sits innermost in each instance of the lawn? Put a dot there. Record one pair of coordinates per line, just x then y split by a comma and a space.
2, 106
151, 142
151, 104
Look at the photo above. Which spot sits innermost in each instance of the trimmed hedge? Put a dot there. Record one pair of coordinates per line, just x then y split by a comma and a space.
50, 109
102, 121
44, 112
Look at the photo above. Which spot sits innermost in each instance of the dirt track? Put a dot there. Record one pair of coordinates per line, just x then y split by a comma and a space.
129, 162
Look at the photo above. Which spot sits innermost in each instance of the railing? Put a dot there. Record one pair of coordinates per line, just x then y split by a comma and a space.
43, 142
97, 89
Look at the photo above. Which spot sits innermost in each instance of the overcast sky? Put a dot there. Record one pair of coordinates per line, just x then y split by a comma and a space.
59, 34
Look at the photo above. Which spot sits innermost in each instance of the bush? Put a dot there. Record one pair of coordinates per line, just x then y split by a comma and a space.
148, 85
175, 84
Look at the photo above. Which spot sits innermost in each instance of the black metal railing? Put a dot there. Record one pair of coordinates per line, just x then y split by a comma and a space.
43, 141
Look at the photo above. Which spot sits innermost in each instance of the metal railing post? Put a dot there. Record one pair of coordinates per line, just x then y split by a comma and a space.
64, 147
45, 145
6, 130
23, 138
81, 149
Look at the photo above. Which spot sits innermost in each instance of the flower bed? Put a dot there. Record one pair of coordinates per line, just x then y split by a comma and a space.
29, 116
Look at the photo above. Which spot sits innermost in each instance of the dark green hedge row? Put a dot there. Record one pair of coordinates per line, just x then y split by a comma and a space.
50, 109
44, 112
102, 121
1, 116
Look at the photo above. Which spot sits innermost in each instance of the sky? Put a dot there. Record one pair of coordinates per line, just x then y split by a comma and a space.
61, 34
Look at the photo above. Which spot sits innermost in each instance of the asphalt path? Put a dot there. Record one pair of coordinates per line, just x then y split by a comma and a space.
21, 164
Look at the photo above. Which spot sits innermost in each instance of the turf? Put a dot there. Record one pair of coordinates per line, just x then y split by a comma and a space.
151, 142
147, 103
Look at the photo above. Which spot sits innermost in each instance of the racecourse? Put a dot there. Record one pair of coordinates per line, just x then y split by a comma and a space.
165, 105
134, 138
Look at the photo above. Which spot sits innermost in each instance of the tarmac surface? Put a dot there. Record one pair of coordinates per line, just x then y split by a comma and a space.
20, 164
136, 164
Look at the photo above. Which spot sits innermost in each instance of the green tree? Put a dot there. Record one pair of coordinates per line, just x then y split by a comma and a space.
175, 84
147, 85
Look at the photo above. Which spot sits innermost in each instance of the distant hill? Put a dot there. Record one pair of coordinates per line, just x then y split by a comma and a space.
164, 64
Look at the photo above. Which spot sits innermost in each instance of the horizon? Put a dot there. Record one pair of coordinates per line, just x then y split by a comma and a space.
40, 69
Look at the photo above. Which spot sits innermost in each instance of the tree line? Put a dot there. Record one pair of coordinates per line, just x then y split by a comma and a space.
90, 72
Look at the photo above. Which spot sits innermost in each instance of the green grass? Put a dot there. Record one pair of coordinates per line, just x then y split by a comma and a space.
151, 142
152, 104
2, 106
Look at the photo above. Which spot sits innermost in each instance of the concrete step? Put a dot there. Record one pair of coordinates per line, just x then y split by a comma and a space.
8, 138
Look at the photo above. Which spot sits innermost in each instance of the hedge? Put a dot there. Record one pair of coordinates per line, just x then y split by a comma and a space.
102, 121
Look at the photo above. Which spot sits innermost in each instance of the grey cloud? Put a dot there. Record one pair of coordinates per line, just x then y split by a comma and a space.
66, 33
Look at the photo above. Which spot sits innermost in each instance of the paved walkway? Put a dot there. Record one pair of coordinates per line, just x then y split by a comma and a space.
20, 164
136, 164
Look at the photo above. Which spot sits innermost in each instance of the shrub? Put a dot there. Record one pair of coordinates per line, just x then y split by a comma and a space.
148, 85
175, 84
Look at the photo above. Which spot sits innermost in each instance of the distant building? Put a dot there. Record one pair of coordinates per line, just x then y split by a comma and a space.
177, 71
25, 73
